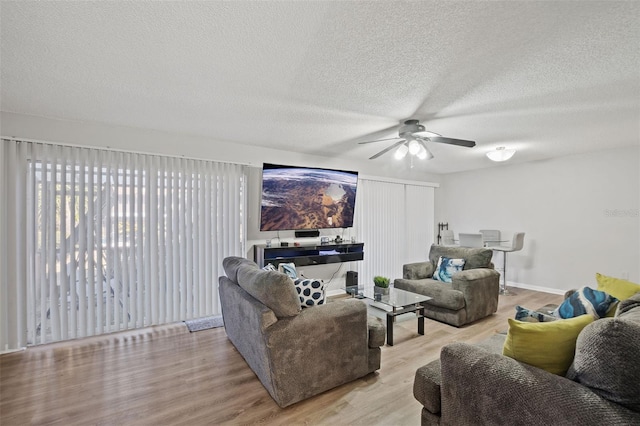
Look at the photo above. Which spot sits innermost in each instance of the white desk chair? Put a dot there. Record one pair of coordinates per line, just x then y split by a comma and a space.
490, 237
470, 240
447, 237
516, 245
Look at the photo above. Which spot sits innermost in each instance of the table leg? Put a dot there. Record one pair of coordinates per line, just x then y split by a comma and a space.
421, 319
390, 319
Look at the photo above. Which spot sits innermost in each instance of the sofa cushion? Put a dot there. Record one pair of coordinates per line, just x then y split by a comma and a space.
310, 292
618, 288
546, 345
231, 265
606, 360
474, 257
442, 294
586, 301
630, 308
446, 267
273, 289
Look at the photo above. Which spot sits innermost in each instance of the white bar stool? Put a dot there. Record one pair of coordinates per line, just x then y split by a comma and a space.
516, 245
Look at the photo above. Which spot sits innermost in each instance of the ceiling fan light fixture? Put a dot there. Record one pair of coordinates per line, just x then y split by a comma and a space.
422, 154
401, 152
414, 147
501, 154
430, 155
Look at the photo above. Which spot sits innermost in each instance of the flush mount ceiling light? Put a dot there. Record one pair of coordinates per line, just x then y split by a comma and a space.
501, 154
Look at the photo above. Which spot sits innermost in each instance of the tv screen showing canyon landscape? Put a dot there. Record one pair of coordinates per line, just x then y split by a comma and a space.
296, 198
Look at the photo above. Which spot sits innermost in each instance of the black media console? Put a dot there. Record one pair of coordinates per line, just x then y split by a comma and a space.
305, 255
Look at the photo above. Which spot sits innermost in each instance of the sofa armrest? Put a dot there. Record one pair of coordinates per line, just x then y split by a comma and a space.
322, 347
481, 288
417, 271
377, 332
479, 387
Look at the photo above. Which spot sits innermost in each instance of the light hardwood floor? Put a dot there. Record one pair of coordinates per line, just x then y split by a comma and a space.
165, 375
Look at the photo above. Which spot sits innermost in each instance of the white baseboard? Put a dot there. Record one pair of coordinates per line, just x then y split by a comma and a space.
536, 288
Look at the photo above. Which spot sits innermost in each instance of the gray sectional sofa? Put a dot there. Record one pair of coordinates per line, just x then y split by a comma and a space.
476, 385
472, 294
296, 353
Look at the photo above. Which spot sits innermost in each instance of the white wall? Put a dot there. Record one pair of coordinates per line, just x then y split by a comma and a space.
579, 213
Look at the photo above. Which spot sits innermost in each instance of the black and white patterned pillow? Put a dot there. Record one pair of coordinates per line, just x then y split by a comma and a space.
310, 292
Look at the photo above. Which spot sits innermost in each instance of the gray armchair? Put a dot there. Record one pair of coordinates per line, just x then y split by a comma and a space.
296, 353
472, 294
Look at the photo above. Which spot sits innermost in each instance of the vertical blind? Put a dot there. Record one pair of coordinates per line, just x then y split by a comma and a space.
102, 241
395, 220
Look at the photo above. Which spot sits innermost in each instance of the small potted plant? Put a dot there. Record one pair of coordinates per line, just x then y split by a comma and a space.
381, 285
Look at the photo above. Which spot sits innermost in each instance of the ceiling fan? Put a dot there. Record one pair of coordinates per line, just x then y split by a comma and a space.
413, 138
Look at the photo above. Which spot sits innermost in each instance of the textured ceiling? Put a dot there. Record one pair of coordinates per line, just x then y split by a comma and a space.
546, 78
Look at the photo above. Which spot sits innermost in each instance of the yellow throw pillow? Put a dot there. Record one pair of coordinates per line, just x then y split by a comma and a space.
617, 287
546, 345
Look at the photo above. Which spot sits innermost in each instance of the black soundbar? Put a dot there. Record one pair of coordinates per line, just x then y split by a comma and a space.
307, 234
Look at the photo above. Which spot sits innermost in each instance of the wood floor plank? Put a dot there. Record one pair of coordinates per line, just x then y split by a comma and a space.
165, 375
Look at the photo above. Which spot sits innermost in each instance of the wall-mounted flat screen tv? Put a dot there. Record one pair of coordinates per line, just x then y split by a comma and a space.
295, 198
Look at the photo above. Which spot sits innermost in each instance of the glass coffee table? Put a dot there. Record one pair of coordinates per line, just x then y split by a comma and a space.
397, 302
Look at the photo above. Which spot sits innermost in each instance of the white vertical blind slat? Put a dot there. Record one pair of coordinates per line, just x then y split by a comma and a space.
130, 243
32, 247
100, 237
91, 263
125, 200
21, 245
139, 246
114, 212
162, 176
54, 309
188, 241
175, 264
171, 250
199, 243
208, 281
62, 278
153, 239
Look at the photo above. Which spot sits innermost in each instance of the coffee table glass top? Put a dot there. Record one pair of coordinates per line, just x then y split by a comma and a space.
396, 298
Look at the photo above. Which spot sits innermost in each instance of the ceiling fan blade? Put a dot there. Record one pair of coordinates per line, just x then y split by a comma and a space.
426, 134
384, 151
451, 141
379, 140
